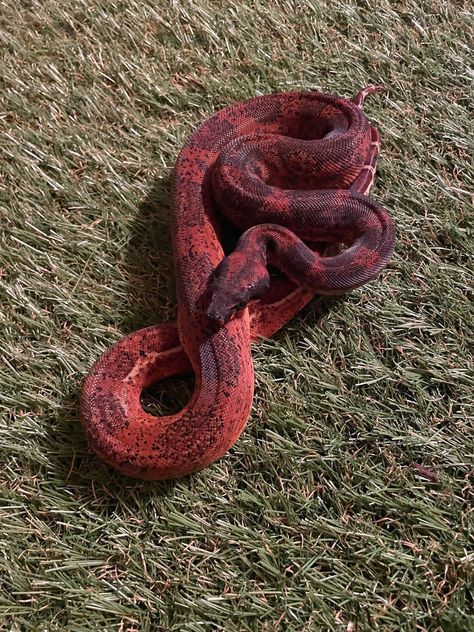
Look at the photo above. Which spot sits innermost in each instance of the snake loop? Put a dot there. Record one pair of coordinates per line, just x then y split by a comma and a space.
292, 172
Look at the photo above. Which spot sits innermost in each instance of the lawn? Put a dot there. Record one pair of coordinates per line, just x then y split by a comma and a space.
346, 505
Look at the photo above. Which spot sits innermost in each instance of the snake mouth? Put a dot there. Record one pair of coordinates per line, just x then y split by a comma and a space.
221, 316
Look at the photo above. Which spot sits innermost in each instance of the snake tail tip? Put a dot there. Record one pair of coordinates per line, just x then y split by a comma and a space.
362, 94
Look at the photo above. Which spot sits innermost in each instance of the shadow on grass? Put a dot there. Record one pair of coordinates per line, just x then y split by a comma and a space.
149, 262
149, 265
151, 300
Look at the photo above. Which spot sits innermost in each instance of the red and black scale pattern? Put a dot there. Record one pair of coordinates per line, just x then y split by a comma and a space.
289, 171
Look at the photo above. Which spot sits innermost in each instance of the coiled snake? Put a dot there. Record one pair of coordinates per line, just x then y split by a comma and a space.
292, 171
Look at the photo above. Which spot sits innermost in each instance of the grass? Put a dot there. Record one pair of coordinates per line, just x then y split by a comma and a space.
346, 504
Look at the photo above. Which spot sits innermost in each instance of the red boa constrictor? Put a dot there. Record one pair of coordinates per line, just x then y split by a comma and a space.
292, 171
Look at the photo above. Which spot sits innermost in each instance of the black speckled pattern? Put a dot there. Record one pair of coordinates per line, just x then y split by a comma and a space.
290, 169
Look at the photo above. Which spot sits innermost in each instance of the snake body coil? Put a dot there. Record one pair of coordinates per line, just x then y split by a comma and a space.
292, 172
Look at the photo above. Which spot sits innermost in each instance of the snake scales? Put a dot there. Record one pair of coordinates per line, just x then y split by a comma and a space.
292, 172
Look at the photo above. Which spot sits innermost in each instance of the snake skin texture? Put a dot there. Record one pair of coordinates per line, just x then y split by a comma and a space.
291, 172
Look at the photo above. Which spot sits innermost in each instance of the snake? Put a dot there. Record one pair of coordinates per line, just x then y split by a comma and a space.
288, 176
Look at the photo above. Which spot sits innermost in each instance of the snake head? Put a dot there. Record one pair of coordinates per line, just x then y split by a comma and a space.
238, 279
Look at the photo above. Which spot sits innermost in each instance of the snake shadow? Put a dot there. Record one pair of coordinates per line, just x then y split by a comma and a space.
149, 262
150, 299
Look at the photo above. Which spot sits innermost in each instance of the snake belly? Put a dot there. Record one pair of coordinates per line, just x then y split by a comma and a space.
290, 171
